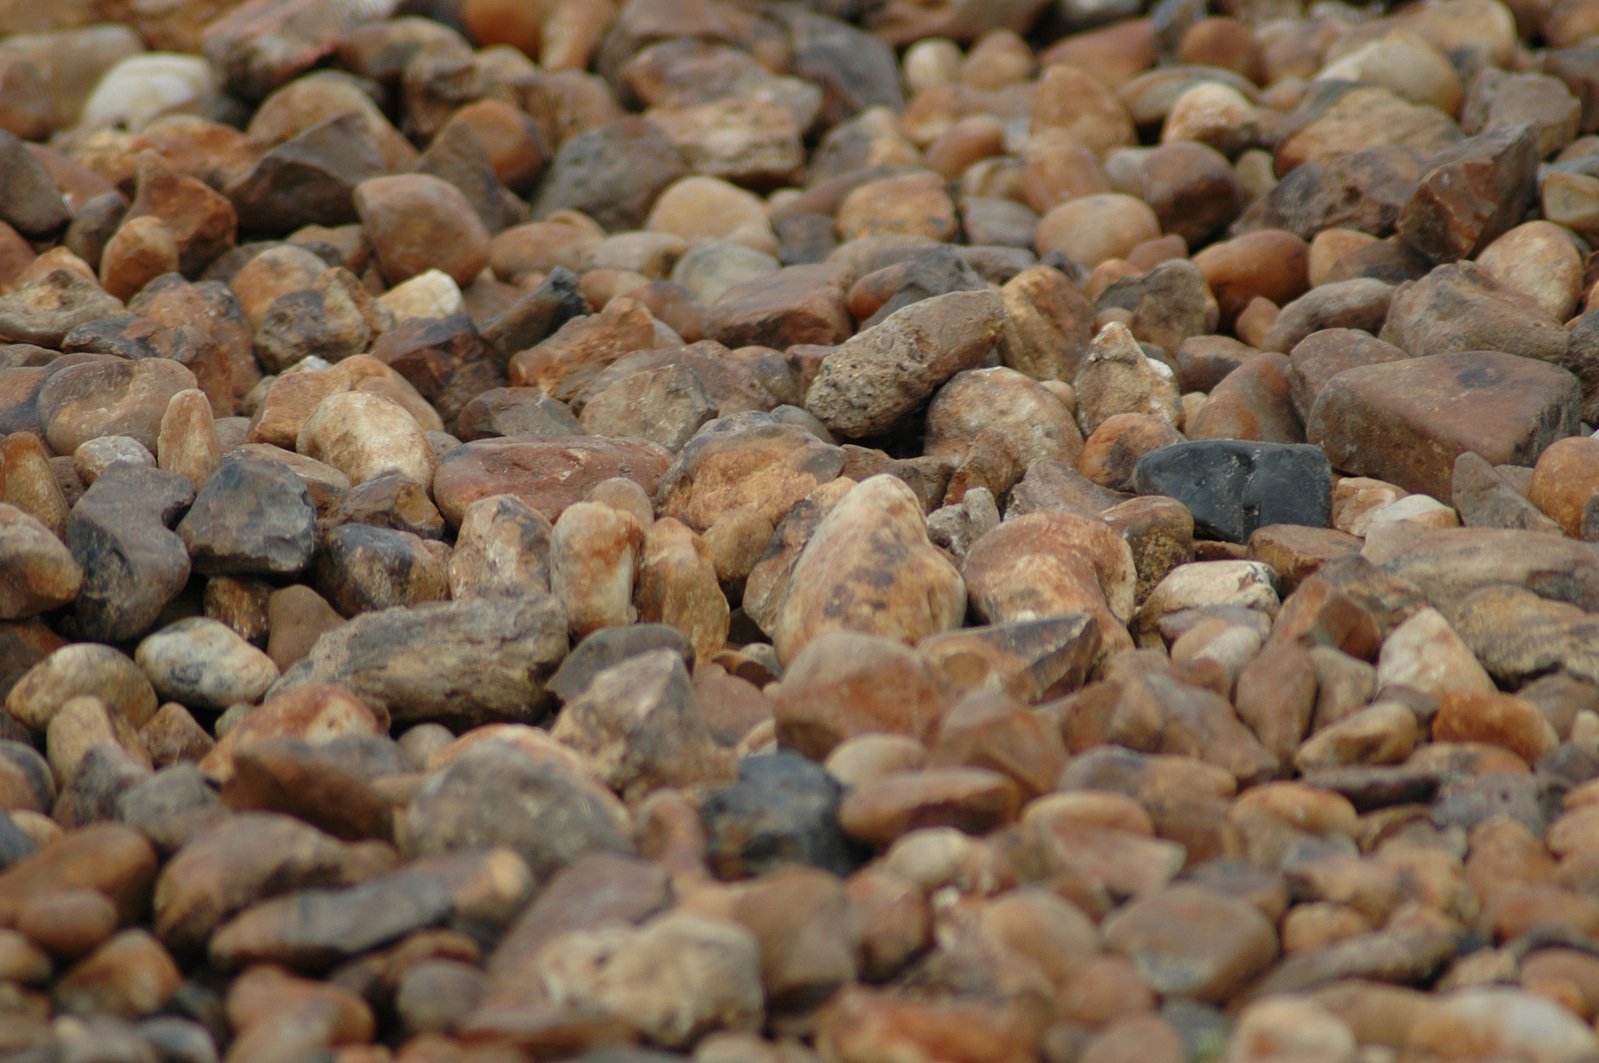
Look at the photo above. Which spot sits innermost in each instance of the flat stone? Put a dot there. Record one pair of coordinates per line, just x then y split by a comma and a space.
665, 406
1235, 487
1382, 419
478, 659
1462, 307
311, 929
546, 474
258, 46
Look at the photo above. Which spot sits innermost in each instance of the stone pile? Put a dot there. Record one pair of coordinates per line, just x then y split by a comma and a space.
985, 531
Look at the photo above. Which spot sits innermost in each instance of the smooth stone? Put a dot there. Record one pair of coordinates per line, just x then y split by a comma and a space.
204, 663
39, 572
1118, 377
1383, 420
546, 474
1235, 487
410, 218
502, 548
1462, 307
672, 979
877, 527
1192, 941
822, 700
594, 553
1049, 564
364, 436
612, 173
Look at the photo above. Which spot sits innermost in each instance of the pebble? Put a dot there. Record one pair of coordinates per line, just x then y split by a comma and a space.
548, 475
874, 379
204, 663
1051, 564
1234, 487
1118, 377
40, 573
823, 701
109, 397
250, 517
132, 564
635, 723
594, 555
710, 966
1425, 654
1193, 942
493, 661
869, 567
1505, 408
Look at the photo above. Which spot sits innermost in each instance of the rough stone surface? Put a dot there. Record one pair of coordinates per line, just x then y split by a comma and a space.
468, 660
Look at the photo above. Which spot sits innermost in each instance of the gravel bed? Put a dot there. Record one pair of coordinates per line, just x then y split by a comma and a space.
848, 531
